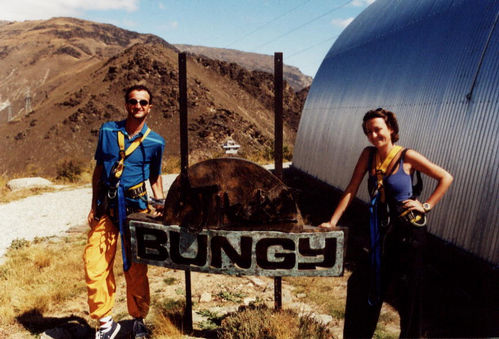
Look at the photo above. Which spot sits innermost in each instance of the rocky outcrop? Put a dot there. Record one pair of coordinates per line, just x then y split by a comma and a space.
28, 183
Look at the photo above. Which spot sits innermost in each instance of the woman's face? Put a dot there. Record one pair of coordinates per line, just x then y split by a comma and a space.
378, 133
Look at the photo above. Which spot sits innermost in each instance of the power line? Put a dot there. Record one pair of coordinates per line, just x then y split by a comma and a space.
310, 47
303, 25
266, 24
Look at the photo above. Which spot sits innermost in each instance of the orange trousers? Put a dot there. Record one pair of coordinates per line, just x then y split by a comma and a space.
98, 257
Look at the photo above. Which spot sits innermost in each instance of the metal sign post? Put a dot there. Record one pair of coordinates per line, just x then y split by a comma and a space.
278, 150
184, 164
249, 225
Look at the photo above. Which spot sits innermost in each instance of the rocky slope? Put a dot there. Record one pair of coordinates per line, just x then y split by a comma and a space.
74, 73
251, 61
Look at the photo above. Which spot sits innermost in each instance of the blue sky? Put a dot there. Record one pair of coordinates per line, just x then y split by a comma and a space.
303, 30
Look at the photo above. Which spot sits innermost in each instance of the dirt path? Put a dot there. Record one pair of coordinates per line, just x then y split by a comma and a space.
48, 214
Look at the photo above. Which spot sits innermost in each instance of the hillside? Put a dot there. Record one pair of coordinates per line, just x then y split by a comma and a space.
252, 62
74, 73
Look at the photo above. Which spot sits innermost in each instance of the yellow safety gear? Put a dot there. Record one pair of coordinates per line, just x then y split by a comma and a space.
125, 153
381, 168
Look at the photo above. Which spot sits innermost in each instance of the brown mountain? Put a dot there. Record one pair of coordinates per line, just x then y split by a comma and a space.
252, 62
62, 78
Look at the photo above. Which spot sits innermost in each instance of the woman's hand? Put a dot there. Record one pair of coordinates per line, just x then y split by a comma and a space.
327, 224
418, 162
413, 205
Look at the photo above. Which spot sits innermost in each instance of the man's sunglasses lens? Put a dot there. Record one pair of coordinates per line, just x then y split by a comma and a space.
141, 102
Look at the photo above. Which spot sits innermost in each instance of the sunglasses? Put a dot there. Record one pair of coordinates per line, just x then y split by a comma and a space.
134, 102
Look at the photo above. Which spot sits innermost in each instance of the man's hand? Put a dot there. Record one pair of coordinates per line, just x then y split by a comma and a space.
158, 211
158, 206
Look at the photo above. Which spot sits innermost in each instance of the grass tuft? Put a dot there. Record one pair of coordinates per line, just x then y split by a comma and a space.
167, 318
169, 281
36, 276
261, 322
235, 297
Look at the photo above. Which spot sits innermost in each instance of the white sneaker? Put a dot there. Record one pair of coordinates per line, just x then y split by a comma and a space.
109, 333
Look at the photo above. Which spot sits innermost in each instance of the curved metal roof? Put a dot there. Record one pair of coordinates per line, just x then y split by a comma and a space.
435, 63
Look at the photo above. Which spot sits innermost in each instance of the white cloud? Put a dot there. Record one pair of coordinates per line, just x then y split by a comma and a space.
361, 3
161, 6
342, 23
18, 10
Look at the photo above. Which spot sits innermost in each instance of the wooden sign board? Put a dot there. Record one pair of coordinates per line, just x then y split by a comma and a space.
266, 253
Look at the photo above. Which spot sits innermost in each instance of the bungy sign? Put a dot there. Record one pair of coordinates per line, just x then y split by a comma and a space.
266, 253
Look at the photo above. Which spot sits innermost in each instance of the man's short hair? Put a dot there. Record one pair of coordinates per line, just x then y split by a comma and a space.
138, 88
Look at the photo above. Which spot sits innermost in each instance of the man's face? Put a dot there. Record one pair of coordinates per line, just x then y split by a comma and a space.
137, 104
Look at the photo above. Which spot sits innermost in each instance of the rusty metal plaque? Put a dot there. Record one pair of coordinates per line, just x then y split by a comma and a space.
266, 253
231, 193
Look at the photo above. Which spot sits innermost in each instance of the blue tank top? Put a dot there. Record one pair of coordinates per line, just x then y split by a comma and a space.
398, 185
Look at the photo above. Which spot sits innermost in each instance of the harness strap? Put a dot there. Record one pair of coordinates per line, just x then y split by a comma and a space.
125, 153
136, 191
374, 295
121, 193
375, 216
381, 168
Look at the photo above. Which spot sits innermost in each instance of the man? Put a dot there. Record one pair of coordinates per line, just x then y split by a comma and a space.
128, 153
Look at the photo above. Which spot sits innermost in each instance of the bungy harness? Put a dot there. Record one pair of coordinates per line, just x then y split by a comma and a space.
118, 191
378, 199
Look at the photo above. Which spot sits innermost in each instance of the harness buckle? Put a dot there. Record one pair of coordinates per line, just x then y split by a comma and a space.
111, 192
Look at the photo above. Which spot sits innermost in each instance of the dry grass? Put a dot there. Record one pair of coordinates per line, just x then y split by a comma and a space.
166, 318
66, 176
40, 275
44, 279
6, 195
171, 165
262, 322
329, 294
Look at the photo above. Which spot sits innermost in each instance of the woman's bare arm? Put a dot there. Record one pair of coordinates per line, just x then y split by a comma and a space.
351, 190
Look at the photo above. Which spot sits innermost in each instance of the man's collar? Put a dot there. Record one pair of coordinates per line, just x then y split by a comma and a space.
122, 127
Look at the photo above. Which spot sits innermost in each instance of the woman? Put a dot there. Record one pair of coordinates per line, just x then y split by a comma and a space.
397, 245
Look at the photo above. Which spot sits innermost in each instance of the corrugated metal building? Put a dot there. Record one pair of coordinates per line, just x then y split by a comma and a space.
435, 63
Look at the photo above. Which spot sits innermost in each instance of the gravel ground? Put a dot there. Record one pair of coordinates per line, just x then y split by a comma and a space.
48, 214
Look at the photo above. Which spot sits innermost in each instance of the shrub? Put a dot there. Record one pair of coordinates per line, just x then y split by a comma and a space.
17, 244
169, 281
258, 321
167, 319
70, 170
287, 153
171, 165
